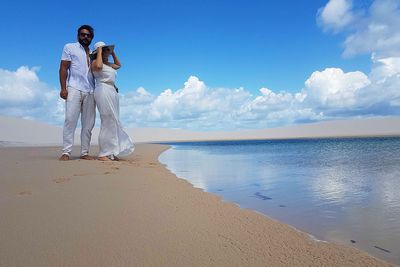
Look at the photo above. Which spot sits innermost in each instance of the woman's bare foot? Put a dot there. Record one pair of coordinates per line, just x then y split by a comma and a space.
64, 157
104, 159
87, 157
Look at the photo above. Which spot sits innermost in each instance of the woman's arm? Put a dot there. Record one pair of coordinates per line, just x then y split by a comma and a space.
97, 64
117, 64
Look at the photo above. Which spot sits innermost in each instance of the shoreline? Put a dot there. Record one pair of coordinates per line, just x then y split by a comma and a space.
136, 212
345, 137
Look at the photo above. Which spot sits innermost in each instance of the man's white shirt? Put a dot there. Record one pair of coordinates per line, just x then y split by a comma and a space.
79, 75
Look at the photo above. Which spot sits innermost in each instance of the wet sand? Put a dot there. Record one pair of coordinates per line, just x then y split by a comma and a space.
137, 213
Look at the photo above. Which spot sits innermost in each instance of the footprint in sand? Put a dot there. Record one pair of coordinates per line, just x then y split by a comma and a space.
107, 173
132, 163
25, 193
61, 180
114, 168
81, 174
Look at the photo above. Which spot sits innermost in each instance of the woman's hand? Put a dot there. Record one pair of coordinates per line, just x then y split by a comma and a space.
116, 65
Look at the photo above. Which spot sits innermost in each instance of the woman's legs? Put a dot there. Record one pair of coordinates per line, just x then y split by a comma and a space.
108, 140
108, 137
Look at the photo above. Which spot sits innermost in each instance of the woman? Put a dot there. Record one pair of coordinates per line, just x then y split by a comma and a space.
113, 141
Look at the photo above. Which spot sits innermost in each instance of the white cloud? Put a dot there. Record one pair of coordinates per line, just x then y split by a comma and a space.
270, 109
376, 31
373, 30
134, 107
383, 95
336, 15
337, 94
327, 94
194, 105
22, 94
332, 88
384, 68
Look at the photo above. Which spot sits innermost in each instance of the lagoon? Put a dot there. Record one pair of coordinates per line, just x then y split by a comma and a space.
343, 190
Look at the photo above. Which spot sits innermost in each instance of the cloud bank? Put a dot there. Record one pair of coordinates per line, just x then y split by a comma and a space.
327, 94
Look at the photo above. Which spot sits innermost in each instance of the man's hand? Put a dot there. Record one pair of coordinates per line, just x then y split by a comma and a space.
64, 94
64, 66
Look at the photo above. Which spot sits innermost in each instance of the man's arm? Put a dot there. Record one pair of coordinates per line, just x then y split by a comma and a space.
64, 66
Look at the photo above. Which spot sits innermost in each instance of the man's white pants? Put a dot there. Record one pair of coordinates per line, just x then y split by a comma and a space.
78, 103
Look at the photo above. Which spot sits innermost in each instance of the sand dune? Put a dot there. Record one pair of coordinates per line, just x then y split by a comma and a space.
26, 132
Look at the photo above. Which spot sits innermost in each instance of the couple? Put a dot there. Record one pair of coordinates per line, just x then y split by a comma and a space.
87, 79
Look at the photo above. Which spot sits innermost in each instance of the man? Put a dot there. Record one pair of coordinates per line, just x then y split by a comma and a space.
77, 86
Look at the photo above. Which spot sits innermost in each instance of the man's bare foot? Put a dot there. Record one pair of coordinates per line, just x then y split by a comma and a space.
64, 157
104, 159
87, 157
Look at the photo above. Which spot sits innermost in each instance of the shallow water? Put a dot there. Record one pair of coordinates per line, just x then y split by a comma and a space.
345, 190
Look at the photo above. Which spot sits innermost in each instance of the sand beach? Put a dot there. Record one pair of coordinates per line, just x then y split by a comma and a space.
137, 213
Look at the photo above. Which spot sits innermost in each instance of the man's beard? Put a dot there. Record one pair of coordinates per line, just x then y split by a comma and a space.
84, 42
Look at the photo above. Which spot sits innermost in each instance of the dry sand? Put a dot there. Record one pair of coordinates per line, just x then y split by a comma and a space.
136, 213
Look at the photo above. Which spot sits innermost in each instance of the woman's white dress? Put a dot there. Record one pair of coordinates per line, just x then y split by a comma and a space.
113, 140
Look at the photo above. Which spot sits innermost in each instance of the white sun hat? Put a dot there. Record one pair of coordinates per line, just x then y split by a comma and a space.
101, 44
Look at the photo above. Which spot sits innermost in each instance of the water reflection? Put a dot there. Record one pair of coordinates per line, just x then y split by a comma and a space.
343, 190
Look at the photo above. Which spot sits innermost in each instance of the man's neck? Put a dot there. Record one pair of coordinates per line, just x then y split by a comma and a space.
86, 47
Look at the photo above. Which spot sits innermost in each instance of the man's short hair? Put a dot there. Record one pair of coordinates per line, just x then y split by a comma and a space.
86, 27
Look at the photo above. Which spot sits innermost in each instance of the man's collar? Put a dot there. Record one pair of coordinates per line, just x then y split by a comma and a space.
81, 46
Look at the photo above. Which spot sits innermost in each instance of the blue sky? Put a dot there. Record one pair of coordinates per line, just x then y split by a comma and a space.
215, 47
252, 44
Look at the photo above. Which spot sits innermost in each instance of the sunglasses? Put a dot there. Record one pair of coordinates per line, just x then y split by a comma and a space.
83, 34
